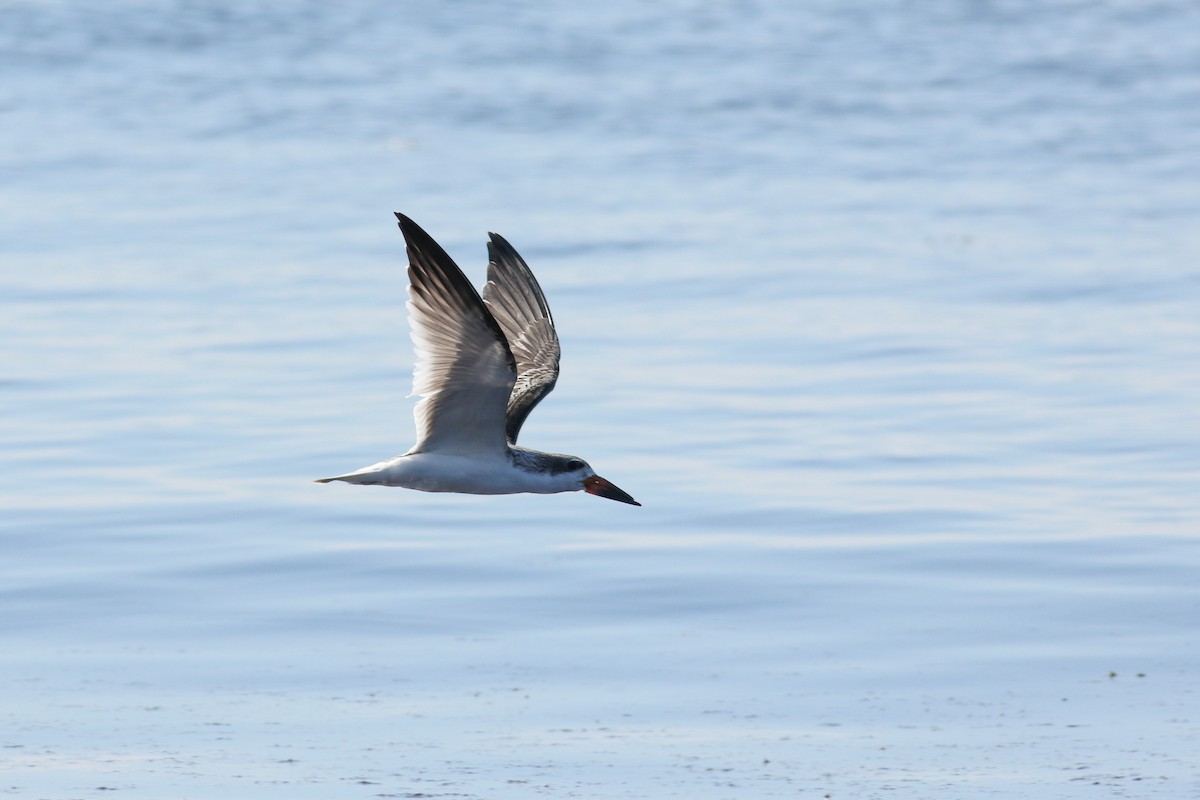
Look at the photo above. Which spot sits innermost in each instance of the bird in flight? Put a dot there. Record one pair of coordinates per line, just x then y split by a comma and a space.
482, 365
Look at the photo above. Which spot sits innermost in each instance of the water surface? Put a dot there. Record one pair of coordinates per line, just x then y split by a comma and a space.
886, 313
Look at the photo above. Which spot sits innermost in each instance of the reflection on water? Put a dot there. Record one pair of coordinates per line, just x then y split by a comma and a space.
886, 314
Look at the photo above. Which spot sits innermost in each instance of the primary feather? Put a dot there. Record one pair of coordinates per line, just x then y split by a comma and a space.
464, 372
516, 302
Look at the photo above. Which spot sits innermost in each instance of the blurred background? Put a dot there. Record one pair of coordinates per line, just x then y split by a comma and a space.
886, 312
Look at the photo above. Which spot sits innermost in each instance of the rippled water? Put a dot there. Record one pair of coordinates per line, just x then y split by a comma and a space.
886, 312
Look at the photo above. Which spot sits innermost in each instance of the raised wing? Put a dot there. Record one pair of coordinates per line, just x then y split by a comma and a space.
464, 371
516, 301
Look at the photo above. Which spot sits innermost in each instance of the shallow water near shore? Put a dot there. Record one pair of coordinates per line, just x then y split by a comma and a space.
886, 314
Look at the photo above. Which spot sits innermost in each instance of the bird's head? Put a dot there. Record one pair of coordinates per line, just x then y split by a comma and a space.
555, 472
592, 483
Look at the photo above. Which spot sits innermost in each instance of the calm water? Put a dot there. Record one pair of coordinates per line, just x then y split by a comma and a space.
887, 312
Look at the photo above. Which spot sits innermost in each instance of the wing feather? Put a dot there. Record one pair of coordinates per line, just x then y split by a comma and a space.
516, 302
464, 371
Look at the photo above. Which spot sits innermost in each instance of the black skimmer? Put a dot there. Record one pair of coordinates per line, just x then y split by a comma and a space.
482, 366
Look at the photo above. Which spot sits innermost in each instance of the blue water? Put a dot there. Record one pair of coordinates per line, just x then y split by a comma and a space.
886, 312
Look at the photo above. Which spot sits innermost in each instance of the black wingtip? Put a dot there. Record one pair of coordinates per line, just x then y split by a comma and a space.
499, 241
406, 223
411, 230
500, 250
416, 236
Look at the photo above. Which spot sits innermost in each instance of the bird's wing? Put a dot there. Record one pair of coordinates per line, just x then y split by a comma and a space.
516, 301
464, 372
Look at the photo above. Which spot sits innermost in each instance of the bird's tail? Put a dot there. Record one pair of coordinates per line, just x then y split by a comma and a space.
365, 477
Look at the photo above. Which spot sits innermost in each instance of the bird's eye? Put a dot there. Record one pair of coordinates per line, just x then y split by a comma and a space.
575, 464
